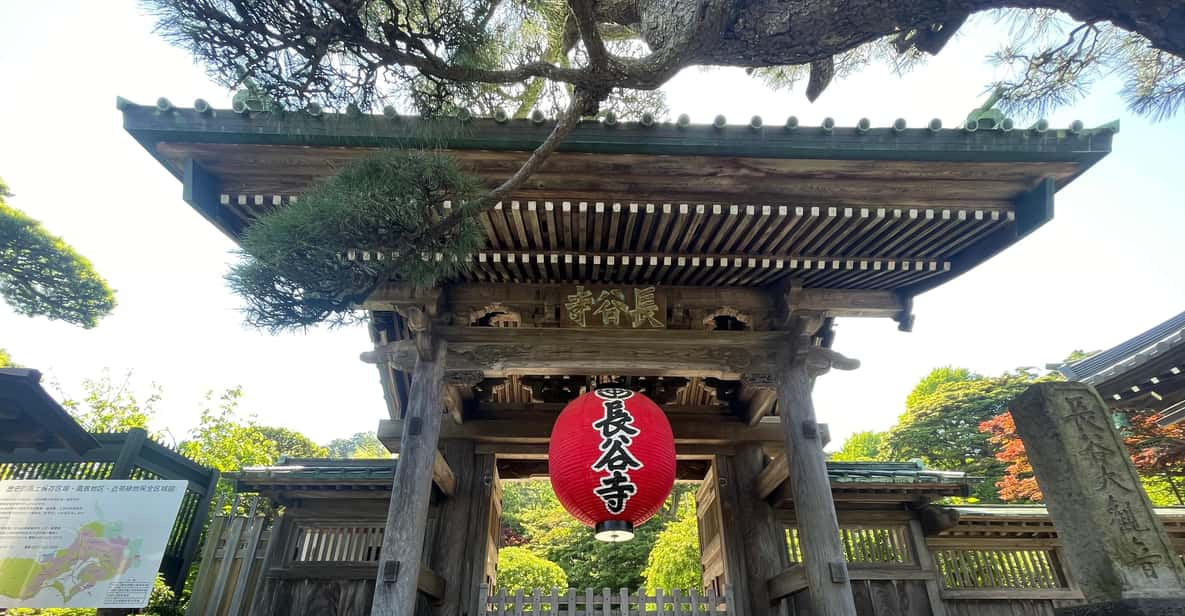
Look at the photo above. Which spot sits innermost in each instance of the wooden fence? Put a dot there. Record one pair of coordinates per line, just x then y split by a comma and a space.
231, 565
606, 602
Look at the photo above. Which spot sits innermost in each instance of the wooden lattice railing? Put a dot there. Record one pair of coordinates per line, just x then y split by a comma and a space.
607, 602
1004, 568
881, 545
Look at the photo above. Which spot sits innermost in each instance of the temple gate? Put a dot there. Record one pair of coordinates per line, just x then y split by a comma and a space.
704, 265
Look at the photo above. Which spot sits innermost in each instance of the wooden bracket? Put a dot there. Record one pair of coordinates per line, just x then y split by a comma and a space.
839, 572
420, 326
905, 317
820, 360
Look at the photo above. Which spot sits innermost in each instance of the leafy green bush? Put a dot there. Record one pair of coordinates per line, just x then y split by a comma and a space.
293, 274
674, 562
519, 569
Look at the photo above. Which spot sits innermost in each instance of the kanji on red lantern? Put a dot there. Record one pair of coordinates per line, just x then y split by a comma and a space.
612, 460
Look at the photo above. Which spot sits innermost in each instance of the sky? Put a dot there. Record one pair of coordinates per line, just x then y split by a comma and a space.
1106, 268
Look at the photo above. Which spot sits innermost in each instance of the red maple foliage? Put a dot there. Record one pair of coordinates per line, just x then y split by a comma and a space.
1155, 450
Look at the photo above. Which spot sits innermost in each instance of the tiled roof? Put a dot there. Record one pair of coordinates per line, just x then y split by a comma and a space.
1106, 365
309, 471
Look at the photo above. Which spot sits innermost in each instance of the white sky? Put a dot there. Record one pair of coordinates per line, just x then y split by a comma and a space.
1107, 267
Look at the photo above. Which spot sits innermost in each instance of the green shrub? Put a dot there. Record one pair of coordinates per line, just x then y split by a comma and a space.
519, 569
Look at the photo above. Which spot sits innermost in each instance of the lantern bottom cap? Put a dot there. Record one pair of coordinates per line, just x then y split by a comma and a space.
614, 531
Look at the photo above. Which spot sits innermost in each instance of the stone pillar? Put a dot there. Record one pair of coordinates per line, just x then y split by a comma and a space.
395, 592
1116, 548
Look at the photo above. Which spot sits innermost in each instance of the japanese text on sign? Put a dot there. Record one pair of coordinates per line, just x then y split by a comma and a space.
613, 307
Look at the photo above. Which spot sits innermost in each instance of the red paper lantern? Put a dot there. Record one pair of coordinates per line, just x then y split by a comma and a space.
612, 460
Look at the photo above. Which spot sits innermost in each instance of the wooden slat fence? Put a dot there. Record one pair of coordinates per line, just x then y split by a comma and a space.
864, 544
1003, 568
231, 566
606, 602
345, 543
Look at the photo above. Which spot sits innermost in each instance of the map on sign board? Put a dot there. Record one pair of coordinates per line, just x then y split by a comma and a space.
83, 543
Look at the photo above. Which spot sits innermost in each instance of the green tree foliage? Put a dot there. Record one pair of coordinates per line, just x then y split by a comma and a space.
360, 445
293, 444
294, 271
861, 447
534, 518
940, 424
935, 379
41, 275
108, 405
520, 569
226, 441
6, 360
440, 55
674, 562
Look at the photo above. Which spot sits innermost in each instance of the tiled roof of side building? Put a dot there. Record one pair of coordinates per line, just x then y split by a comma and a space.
334, 470
1131, 353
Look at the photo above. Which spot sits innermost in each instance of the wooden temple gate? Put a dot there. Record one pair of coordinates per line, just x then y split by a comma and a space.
702, 264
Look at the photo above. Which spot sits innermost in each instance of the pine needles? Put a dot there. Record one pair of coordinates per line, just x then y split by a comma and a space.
294, 272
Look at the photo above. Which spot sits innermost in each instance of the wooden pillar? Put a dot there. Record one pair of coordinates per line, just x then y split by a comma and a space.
407, 516
482, 534
732, 541
763, 537
818, 528
450, 550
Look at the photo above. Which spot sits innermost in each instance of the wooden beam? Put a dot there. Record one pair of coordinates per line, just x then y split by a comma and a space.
201, 189
1035, 207
759, 402
430, 584
538, 451
789, 581
848, 302
773, 475
443, 476
535, 428
518, 468
818, 528
407, 517
454, 403
500, 352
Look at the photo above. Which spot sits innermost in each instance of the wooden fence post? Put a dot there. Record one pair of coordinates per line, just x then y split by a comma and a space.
194, 534
122, 469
